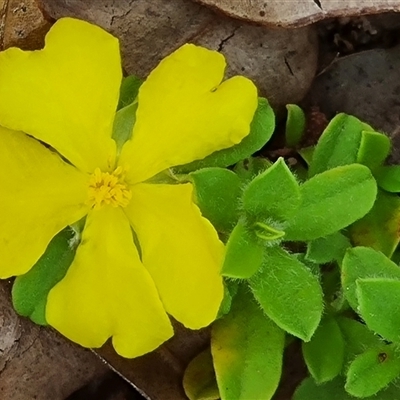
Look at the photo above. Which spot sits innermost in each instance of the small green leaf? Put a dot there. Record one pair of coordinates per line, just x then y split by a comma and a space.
249, 168
334, 390
295, 125
244, 253
329, 248
29, 292
128, 91
289, 293
324, 353
247, 349
218, 192
199, 380
372, 370
273, 194
339, 144
261, 130
357, 338
363, 262
379, 300
374, 149
124, 121
325, 207
307, 153
388, 178
379, 229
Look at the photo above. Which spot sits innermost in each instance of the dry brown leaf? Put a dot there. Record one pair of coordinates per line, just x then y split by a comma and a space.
295, 13
282, 63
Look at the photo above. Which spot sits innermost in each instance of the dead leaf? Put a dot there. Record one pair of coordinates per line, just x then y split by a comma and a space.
282, 63
37, 363
297, 13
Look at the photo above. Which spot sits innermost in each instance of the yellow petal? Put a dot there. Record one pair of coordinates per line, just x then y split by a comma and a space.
40, 195
180, 249
65, 95
107, 291
185, 113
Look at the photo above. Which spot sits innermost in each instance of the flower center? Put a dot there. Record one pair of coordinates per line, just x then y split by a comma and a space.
108, 189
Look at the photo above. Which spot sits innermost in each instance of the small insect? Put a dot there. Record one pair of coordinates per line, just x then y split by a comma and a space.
382, 357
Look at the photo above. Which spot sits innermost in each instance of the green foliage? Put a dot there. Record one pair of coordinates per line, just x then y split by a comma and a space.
29, 292
261, 130
124, 120
374, 149
199, 380
217, 194
339, 144
244, 254
372, 370
295, 125
282, 279
324, 353
260, 202
328, 248
388, 178
379, 229
249, 168
129, 90
247, 350
363, 263
325, 207
379, 300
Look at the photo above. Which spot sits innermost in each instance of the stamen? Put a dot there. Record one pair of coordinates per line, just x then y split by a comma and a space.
108, 189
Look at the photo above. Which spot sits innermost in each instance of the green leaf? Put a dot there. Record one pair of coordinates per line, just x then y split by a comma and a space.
374, 149
363, 262
199, 380
329, 248
372, 371
388, 178
295, 125
307, 153
379, 229
326, 208
261, 130
324, 353
332, 390
273, 194
247, 349
339, 144
379, 300
218, 192
357, 338
244, 253
29, 292
289, 293
249, 168
124, 121
128, 91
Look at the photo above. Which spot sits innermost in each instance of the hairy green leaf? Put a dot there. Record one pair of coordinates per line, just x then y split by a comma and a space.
244, 253
363, 262
261, 130
372, 371
249, 168
295, 125
29, 292
331, 201
124, 121
217, 192
247, 349
339, 144
128, 91
388, 178
374, 149
328, 248
379, 300
273, 194
199, 380
324, 353
289, 293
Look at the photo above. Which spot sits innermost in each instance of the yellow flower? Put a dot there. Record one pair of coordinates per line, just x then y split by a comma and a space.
65, 96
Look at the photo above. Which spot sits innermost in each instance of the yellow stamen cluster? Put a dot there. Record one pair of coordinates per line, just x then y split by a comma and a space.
108, 189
